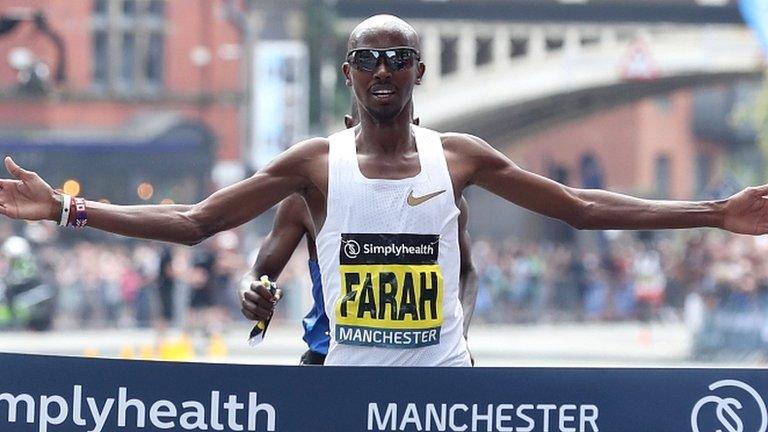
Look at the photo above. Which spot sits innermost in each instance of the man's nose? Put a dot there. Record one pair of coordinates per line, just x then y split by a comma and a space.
382, 70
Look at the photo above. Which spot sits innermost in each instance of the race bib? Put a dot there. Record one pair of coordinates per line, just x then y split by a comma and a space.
391, 291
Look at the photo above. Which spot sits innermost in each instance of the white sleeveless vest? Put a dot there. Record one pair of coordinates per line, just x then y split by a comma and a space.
389, 259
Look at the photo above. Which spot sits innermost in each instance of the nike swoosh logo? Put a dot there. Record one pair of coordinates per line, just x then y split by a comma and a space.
414, 201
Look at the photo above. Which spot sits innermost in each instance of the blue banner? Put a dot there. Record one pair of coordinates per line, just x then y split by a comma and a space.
44, 393
755, 13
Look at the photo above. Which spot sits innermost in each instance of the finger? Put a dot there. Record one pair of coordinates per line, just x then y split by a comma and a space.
259, 300
6, 184
248, 314
256, 311
278, 295
14, 169
263, 291
253, 307
245, 309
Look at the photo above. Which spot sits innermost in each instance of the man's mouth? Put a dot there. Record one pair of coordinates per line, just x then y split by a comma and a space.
383, 94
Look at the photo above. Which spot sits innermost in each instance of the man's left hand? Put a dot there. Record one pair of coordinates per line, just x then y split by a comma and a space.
747, 211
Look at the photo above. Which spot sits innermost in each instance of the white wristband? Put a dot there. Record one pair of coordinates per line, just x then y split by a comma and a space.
66, 202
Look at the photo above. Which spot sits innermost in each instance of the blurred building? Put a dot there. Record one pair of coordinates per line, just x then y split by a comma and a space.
161, 99
685, 144
646, 148
149, 95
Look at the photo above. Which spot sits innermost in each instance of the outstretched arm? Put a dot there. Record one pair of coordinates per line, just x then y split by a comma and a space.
257, 303
467, 272
29, 197
745, 212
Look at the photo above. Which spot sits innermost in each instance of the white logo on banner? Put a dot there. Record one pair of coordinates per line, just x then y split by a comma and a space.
725, 408
351, 249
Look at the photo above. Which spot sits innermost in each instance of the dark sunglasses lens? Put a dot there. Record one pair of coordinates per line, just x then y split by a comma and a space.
399, 59
366, 60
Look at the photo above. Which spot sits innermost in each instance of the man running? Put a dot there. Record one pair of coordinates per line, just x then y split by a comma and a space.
293, 222
383, 197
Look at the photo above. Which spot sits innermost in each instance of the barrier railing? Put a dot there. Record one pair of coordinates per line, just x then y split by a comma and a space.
47, 393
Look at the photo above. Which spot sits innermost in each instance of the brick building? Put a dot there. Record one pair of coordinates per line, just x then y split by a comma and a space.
152, 94
682, 145
647, 148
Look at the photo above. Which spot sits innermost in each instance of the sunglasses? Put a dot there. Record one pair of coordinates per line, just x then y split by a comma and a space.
397, 58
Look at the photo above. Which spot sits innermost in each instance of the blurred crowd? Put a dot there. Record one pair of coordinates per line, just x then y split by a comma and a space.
612, 278
717, 283
91, 280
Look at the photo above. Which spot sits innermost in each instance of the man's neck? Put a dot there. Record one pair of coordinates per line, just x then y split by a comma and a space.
385, 138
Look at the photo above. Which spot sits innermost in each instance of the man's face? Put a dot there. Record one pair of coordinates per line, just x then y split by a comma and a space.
384, 92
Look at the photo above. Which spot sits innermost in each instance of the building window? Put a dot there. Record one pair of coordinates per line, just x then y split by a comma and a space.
663, 103
703, 173
129, 8
554, 43
157, 8
100, 58
589, 40
662, 176
484, 51
128, 42
448, 55
592, 176
128, 48
518, 47
100, 7
153, 62
559, 173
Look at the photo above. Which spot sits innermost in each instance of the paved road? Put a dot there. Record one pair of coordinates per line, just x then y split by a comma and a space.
626, 344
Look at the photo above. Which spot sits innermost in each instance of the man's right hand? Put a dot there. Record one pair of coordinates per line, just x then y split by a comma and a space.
257, 302
28, 197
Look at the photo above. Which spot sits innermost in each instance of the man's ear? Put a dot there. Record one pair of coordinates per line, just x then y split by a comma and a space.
349, 121
420, 70
345, 71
